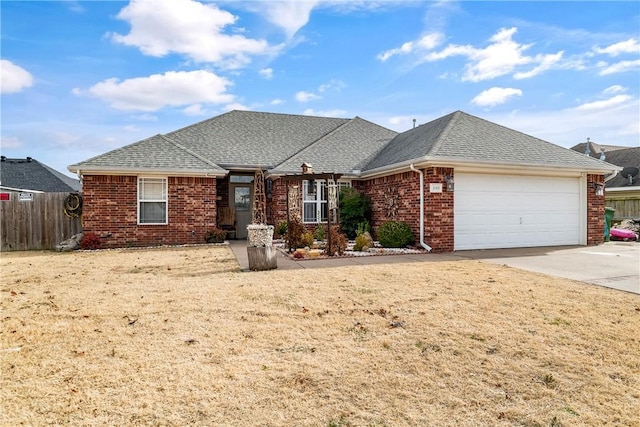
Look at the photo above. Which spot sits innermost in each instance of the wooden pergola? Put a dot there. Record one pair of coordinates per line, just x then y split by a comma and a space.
308, 175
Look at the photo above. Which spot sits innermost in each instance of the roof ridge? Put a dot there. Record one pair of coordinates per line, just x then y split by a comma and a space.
188, 151
435, 147
314, 142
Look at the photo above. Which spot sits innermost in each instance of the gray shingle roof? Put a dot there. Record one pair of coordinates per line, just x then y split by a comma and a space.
246, 138
348, 148
466, 138
155, 154
282, 142
30, 174
629, 157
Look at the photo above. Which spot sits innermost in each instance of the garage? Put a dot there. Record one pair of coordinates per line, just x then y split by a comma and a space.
509, 211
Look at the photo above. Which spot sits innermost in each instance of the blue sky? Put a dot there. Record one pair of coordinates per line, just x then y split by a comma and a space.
80, 78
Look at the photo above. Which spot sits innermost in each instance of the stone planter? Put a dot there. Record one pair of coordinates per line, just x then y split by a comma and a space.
260, 250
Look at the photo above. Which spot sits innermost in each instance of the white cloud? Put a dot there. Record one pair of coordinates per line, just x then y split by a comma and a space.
495, 96
333, 84
620, 67
132, 128
13, 78
604, 104
189, 28
63, 138
267, 73
426, 43
8, 142
303, 96
277, 101
614, 89
546, 62
326, 113
146, 118
289, 15
160, 90
502, 56
194, 110
236, 106
627, 46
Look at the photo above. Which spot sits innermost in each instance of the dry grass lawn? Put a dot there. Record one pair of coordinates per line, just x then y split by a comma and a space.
178, 336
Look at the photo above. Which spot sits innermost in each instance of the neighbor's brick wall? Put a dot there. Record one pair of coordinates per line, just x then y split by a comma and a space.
438, 207
110, 211
595, 212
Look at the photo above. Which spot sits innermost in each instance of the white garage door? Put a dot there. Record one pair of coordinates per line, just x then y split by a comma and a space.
505, 211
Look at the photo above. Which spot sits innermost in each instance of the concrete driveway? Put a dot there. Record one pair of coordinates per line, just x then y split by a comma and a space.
612, 264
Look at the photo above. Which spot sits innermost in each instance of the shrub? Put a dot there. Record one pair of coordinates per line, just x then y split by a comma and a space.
307, 239
318, 234
338, 242
216, 235
294, 233
395, 234
363, 242
355, 208
90, 241
281, 229
363, 227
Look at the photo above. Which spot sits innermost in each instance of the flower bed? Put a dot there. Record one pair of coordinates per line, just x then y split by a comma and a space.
314, 253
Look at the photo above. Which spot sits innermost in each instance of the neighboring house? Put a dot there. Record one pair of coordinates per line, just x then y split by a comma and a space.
29, 175
623, 189
459, 181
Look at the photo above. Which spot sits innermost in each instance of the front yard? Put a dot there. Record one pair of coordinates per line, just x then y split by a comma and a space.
178, 336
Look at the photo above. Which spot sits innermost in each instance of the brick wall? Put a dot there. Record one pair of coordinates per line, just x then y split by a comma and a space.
595, 211
110, 210
397, 197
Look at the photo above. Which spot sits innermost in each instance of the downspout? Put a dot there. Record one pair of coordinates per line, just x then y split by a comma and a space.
422, 243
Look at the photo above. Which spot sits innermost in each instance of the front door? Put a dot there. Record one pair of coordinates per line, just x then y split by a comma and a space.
240, 198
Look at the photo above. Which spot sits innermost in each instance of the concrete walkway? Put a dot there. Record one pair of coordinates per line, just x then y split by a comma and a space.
614, 264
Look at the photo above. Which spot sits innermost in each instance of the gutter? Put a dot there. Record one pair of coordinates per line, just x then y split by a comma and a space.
422, 243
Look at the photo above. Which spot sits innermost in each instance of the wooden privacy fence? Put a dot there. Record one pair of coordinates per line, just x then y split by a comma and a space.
35, 221
625, 207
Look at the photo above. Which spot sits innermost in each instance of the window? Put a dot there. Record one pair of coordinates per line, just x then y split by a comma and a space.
314, 199
152, 200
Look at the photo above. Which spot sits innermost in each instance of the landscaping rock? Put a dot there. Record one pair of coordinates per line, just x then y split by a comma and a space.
70, 244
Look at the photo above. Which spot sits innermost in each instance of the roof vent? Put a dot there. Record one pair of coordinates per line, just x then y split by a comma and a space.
587, 150
29, 159
4, 158
414, 123
602, 156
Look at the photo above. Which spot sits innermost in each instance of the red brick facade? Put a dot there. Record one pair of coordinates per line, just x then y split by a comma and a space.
397, 197
110, 208
595, 211
110, 211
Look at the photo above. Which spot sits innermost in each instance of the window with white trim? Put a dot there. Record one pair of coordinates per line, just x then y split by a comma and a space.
152, 201
314, 199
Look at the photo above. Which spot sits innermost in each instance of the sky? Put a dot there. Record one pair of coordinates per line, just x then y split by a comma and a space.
80, 78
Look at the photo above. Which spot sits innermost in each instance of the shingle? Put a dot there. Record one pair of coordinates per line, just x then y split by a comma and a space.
629, 157
30, 174
156, 153
348, 148
461, 136
246, 138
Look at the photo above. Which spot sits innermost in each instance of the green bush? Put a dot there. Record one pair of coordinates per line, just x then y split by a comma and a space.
355, 209
281, 229
395, 234
318, 234
216, 235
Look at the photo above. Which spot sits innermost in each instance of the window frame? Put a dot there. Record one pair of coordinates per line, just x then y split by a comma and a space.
165, 194
319, 202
